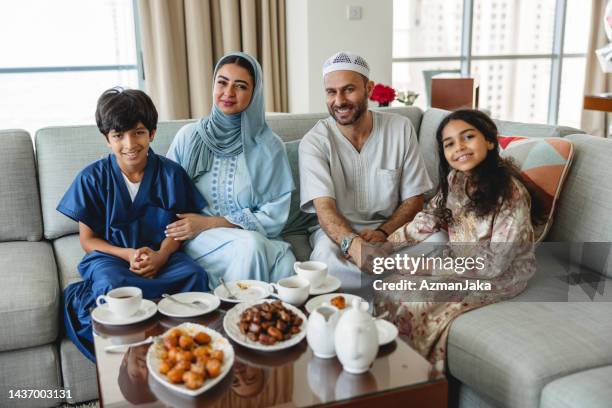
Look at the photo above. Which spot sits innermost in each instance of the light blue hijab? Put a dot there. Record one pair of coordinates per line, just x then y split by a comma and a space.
247, 131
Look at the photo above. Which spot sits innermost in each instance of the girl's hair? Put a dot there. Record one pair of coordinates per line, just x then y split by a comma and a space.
240, 61
492, 178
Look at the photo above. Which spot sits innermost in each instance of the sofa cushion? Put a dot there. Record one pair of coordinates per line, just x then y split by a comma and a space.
590, 388
585, 205
559, 279
300, 245
545, 162
29, 295
428, 145
35, 368
298, 221
78, 373
507, 127
64, 151
413, 113
509, 351
290, 126
68, 254
19, 203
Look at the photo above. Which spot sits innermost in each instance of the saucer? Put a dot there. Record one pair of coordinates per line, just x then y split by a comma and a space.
315, 302
169, 308
244, 290
387, 331
103, 315
331, 284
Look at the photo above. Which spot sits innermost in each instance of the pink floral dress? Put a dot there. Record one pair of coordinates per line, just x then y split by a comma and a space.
503, 241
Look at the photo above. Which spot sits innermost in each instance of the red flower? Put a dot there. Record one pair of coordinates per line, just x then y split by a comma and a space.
383, 94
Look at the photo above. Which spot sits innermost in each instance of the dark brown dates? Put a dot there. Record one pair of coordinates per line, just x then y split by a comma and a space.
269, 322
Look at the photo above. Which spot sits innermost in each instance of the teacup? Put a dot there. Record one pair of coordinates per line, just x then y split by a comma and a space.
124, 301
293, 290
313, 271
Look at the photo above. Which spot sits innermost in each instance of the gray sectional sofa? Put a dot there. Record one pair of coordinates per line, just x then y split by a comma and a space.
525, 353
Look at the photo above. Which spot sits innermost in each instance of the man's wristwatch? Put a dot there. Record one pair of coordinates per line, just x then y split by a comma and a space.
346, 242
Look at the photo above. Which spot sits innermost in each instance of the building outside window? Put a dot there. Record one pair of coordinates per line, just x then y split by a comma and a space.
511, 53
59, 56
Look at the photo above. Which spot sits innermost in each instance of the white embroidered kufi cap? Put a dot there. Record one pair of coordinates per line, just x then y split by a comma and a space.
346, 61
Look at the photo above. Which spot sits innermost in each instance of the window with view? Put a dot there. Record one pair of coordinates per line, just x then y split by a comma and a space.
59, 56
511, 53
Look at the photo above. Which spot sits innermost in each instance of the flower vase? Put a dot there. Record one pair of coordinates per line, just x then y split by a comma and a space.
381, 104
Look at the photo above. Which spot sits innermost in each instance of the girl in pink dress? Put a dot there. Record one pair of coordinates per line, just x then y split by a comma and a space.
484, 205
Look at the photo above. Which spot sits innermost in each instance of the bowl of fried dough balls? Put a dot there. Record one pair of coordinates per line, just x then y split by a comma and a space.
190, 358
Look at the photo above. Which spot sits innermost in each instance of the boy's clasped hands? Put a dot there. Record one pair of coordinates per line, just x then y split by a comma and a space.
146, 262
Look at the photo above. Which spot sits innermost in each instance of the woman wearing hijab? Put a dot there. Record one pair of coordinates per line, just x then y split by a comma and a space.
241, 168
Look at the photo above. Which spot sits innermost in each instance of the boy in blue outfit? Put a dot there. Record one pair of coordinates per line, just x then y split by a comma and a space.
123, 203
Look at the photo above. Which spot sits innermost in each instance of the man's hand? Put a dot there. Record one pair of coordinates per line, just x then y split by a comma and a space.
354, 251
370, 235
188, 226
147, 262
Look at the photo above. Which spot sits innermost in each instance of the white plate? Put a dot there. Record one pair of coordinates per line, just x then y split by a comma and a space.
218, 342
169, 308
315, 302
331, 283
103, 315
244, 290
232, 318
387, 331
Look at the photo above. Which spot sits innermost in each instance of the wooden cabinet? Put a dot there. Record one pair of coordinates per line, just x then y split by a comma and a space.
601, 102
454, 93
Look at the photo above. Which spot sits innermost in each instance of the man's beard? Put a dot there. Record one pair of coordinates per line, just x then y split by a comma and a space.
359, 110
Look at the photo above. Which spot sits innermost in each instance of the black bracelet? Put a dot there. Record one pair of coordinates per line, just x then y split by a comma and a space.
383, 231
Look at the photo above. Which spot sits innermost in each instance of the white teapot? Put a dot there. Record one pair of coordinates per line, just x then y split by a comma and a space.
356, 339
320, 331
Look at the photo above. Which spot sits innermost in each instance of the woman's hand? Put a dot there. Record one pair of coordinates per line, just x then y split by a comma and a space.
188, 226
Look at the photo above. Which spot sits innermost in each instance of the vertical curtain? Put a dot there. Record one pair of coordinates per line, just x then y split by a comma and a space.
596, 81
183, 39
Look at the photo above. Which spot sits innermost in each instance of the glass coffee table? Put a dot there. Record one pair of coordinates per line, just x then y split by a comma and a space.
290, 378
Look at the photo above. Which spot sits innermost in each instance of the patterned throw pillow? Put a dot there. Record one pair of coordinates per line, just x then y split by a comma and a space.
543, 161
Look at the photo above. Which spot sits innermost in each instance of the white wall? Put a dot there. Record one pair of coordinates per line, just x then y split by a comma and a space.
316, 29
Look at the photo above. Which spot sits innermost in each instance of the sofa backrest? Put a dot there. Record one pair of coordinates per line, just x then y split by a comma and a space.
63, 151
585, 206
432, 118
19, 204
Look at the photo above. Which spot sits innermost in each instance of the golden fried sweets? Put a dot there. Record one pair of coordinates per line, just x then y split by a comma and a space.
202, 338
193, 380
189, 359
339, 302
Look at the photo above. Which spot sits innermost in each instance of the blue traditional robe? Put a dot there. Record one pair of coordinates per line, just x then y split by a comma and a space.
240, 166
99, 198
253, 251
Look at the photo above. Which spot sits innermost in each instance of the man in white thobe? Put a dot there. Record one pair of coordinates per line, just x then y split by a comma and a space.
360, 171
